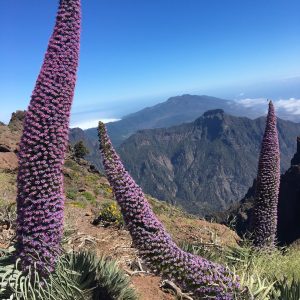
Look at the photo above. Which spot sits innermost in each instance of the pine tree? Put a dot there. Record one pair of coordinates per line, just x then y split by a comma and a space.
80, 150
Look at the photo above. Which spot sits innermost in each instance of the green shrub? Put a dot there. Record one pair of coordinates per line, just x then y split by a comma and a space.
80, 150
71, 164
89, 197
110, 214
8, 214
71, 194
106, 190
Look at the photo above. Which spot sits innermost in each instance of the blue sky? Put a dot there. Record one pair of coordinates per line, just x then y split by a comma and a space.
139, 52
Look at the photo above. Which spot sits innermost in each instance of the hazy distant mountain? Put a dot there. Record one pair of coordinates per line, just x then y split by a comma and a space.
174, 111
204, 165
178, 110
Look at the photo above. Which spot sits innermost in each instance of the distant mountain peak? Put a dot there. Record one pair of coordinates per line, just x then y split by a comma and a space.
214, 118
214, 112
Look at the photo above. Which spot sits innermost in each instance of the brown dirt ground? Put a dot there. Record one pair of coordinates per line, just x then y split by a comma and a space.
113, 242
117, 244
8, 160
147, 288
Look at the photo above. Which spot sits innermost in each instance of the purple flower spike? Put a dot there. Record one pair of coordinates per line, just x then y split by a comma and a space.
267, 189
40, 200
190, 272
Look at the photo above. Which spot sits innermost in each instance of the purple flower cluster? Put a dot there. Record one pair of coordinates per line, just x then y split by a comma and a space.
190, 272
40, 200
267, 188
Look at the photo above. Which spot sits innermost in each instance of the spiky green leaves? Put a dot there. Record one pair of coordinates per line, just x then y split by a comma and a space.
78, 276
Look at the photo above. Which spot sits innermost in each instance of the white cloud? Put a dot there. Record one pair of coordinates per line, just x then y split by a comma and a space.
92, 123
291, 105
286, 108
251, 102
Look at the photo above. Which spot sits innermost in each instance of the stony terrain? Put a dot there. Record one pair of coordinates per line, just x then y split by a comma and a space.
9, 139
87, 191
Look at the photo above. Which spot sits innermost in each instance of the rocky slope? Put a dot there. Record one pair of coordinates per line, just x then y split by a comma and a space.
87, 192
9, 139
205, 165
288, 206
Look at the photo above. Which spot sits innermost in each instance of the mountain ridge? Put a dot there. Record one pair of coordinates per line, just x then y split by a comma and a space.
204, 165
176, 110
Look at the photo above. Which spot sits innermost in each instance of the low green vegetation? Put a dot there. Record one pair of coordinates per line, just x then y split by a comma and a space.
162, 207
71, 194
109, 214
105, 190
89, 196
273, 275
78, 276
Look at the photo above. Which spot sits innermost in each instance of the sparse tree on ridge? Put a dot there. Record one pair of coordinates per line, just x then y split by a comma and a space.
80, 150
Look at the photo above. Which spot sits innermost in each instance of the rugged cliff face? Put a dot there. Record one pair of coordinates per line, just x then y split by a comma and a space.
289, 202
206, 165
288, 206
9, 139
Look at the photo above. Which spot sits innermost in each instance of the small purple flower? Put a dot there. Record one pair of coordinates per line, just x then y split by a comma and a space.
193, 273
40, 200
267, 188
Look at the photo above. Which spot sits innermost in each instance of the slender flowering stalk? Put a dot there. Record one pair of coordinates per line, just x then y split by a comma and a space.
190, 272
40, 200
267, 188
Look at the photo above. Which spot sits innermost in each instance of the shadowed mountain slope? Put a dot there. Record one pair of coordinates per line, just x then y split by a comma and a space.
288, 206
205, 165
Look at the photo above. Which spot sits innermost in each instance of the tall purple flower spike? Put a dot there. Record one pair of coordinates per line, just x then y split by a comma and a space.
267, 189
163, 256
40, 200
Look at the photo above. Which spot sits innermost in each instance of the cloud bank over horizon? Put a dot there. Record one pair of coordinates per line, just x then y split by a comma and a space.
91, 123
285, 108
288, 109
